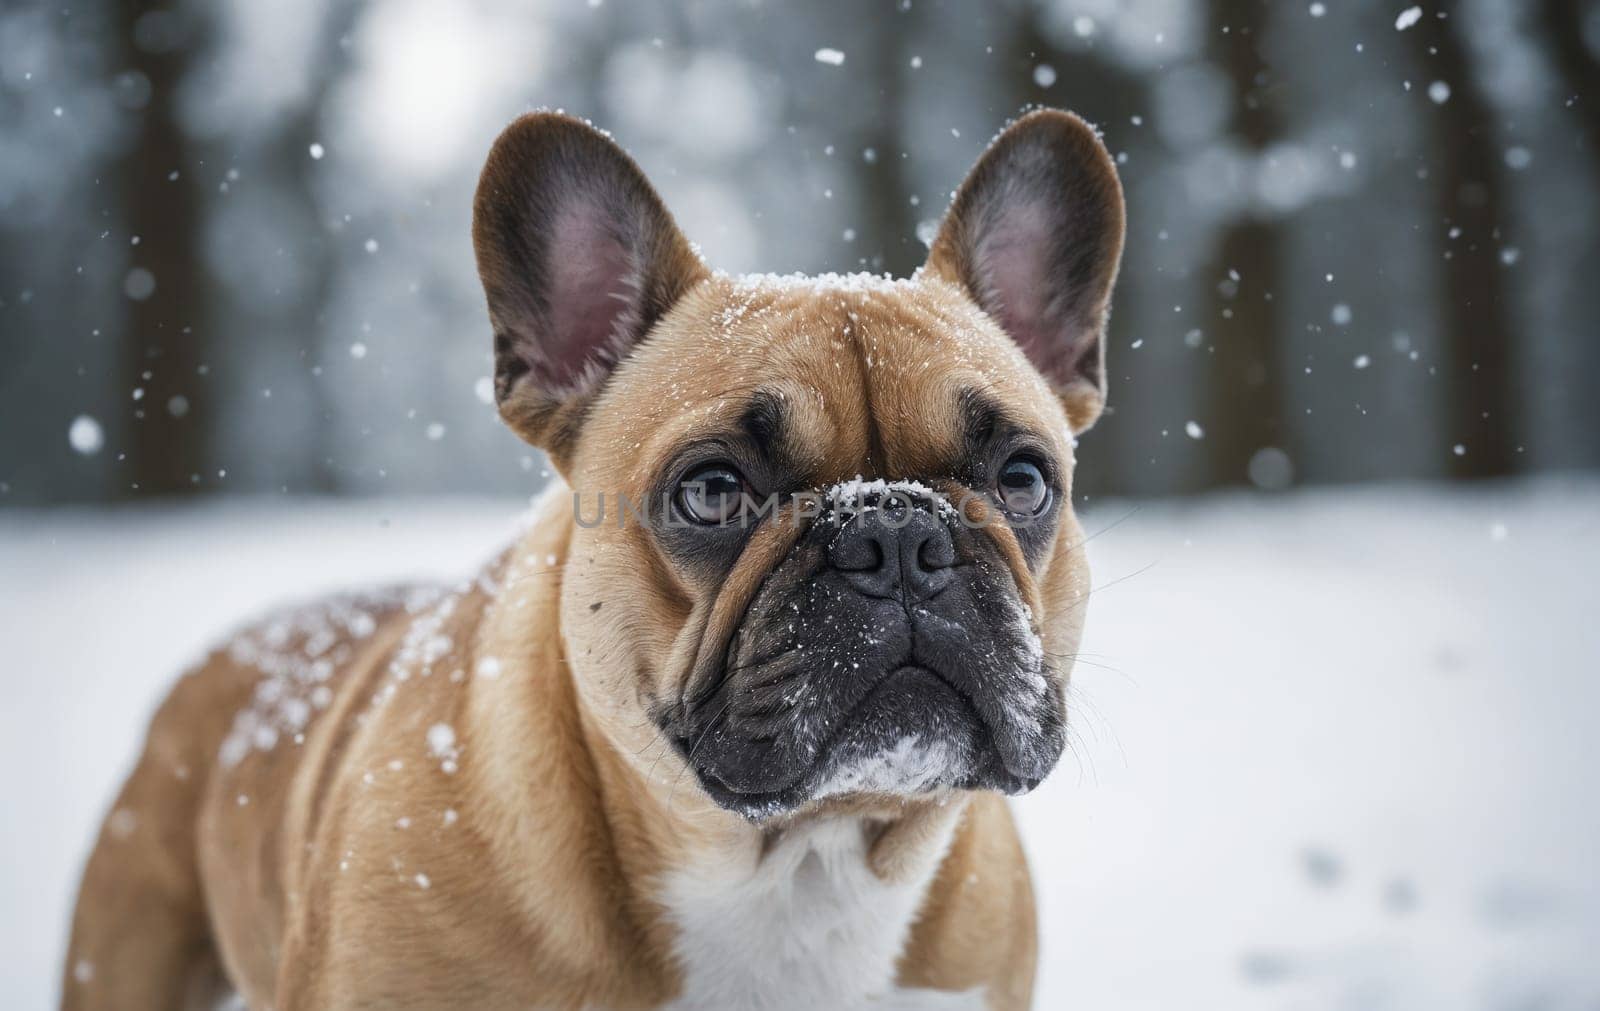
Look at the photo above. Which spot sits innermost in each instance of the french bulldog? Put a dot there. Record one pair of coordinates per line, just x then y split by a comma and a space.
733, 724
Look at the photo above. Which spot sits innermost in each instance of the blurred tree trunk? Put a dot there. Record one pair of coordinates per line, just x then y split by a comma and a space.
164, 353
1579, 70
1243, 406
1480, 380
287, 160
888, 232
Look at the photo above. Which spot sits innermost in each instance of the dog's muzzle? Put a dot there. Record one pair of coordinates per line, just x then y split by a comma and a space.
889, 653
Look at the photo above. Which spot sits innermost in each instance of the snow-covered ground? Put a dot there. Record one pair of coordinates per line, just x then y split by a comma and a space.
1336, 749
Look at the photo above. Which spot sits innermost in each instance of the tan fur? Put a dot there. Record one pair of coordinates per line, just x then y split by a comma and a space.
542, 835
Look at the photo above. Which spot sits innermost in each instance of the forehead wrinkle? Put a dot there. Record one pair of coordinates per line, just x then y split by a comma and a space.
905, 356
871, 376
764, 422
811, 432
784, 425
931, 373
657, 436
795, 344
877, 452
892, 340
983, 416
813, 340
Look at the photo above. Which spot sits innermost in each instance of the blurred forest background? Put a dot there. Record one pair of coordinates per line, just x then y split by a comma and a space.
234, 251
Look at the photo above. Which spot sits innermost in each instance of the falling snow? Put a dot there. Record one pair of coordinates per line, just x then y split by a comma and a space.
85, 435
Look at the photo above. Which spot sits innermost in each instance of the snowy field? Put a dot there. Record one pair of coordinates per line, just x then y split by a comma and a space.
1335, 749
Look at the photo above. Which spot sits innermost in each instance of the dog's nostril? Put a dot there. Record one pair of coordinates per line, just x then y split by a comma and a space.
856, 554
937, 551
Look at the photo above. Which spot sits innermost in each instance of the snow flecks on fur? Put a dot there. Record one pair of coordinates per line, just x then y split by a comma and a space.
1028, 631
424, 645
1032, 685
122, 823
857, 283
860, 495
912, 766
427, 649
443, 747
297, 654
750, 296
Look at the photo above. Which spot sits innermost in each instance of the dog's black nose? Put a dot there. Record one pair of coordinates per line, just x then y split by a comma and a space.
892, 550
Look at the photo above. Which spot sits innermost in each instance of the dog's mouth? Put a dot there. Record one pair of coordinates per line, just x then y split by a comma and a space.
914, 732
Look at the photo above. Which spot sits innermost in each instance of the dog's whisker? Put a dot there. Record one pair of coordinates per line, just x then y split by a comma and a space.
1077, 658
655, 738
650, 774
1079, 700
1087, 755
1081, 601
688, 761
1107, 528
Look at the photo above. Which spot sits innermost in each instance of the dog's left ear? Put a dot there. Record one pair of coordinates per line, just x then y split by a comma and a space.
1034, 235
579, 259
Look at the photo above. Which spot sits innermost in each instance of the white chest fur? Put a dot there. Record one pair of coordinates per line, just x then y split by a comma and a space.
808, 925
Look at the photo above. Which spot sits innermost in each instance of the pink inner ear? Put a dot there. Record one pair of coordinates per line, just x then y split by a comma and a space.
1011, 265
590, 294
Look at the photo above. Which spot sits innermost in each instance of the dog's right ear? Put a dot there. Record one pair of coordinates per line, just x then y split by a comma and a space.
1034, 235
579, 258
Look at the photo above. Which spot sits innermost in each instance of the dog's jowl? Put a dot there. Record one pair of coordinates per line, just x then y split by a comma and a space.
744, 740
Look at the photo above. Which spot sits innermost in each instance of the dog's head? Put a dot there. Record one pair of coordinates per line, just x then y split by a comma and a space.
824, 542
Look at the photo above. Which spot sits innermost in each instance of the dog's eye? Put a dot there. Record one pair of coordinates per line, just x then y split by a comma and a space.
712, 495
1022, 487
